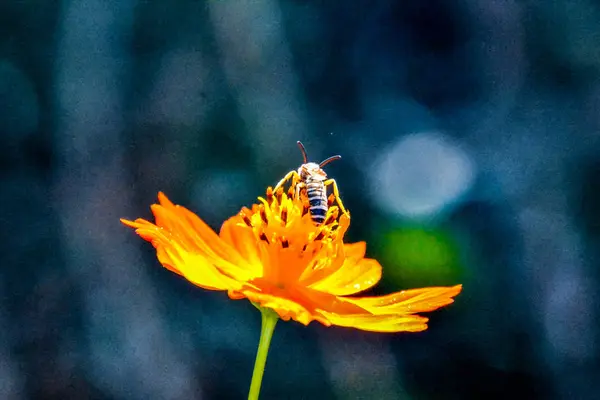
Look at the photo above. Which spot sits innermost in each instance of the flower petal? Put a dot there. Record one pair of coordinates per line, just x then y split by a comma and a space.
198, 269
378, 323
195, 236
203, 233
355, 251
355, 275
325, 261
408, 301
380, 314
286, 308
240, 237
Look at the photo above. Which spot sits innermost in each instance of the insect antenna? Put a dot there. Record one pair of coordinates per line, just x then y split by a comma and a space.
328, 160
303, 150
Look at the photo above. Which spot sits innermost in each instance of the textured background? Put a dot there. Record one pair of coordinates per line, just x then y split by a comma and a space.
469, 131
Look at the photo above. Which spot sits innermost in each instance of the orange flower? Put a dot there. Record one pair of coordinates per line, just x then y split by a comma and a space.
276, 257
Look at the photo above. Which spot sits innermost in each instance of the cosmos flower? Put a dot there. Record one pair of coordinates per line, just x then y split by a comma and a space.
274, 255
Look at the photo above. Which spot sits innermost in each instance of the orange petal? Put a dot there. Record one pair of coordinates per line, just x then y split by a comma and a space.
286, 308
355, 251
239, 236
378, 323
381, 314
354, 275
351, 278
324, 262
202, 230
408, 301
196, 268
147, 231
196, 234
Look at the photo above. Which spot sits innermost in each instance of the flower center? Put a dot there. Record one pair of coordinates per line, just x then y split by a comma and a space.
287, 237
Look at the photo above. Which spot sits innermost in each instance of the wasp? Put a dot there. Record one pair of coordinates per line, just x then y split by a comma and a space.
311, 178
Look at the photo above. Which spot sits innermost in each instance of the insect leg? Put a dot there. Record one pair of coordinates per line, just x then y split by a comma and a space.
336, 194
293, 175
298, 188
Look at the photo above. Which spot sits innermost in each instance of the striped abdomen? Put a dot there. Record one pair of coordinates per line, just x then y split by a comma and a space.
317, 198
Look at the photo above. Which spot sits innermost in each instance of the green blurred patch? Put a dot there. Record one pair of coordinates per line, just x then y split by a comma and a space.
419, 256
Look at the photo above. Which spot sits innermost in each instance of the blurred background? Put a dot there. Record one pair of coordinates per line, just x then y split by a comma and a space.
469, 131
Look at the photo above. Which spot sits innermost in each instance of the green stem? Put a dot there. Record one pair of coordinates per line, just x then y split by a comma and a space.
269, 320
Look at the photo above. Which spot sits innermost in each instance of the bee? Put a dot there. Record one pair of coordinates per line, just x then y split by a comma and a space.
311, 178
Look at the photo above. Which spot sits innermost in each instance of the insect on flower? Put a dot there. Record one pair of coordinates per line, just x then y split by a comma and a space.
311, 181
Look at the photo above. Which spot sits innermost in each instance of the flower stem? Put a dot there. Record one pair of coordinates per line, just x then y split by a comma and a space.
269, 320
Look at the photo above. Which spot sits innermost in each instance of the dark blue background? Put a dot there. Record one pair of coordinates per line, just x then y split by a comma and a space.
469, 132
